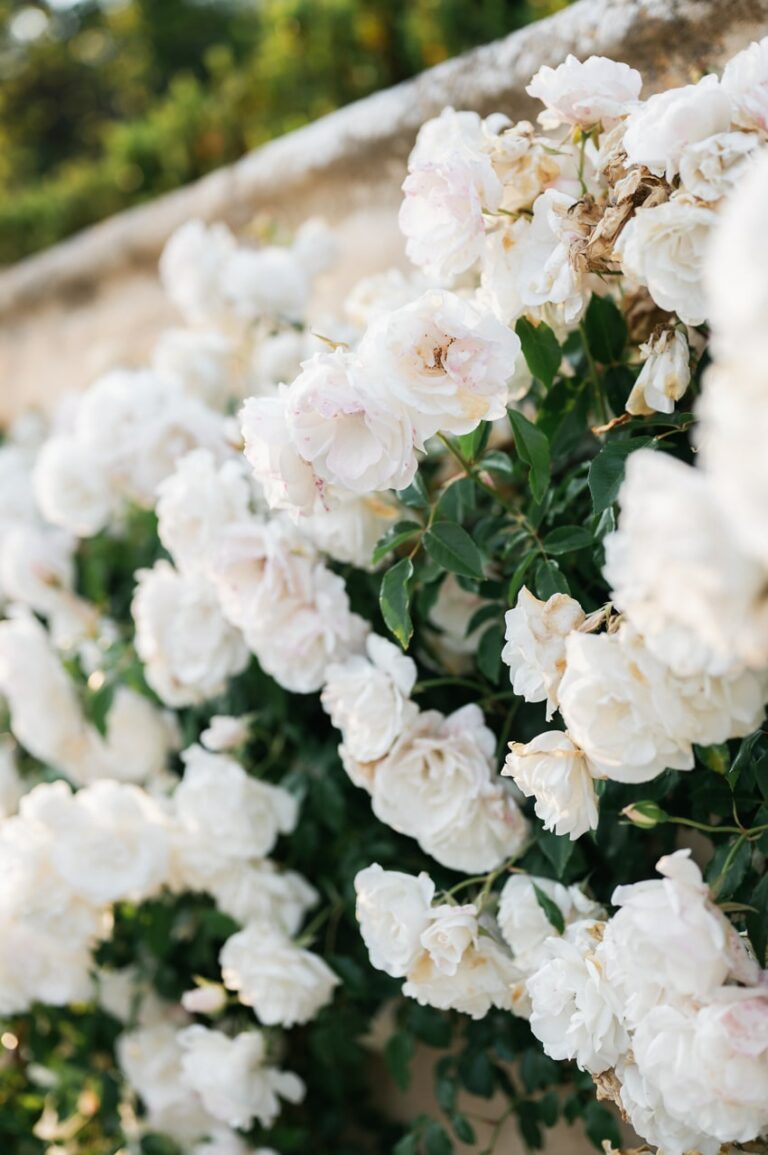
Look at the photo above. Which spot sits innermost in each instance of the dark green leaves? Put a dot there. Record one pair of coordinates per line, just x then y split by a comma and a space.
606, 472
551, 909
567, 539
395, 599
396, 535
533, 449
606, 330
541, 350
398, 1054
453, 549
550, 580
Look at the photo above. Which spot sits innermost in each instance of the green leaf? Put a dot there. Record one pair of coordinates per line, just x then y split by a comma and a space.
429, 1025
415, 495
452, 548
728, 867
757, 923
97, 704
517, 580
557, 849
606, 330
551, 909
548, 1108
527, 1121
408, 1145
398, 1054
457, 500
395, 598
487, 613
541, 350
537, 1070
472, 444
601, 1124
489, 653
437, 1141
533, 449
549, 580
477, 1074
716, 757
463, 1129
567, 539
743, 757
606, 472
395, 536
498, 462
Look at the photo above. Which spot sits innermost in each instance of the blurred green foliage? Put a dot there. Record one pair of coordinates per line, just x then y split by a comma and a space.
106, 103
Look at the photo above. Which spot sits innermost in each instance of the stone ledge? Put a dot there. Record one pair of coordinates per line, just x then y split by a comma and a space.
94, 299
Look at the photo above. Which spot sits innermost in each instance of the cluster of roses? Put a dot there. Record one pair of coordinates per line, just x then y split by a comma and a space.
662, 1003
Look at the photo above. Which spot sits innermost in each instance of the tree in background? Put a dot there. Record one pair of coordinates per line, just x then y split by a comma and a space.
106, 104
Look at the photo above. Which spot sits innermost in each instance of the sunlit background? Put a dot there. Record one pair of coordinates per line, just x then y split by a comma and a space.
106, 103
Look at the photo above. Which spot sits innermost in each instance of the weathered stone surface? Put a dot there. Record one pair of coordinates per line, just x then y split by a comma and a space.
93, 301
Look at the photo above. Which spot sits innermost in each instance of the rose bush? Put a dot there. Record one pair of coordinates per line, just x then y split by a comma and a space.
406, 685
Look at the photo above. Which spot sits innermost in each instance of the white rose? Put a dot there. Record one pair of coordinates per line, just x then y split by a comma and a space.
542, 256
37, 567
277, 358
450, 616
191, 267
223, 1141
11, 783
451, 931
203, 361
737, 257
284, 984
344, 425
196, 503
232, 1078
665, 375
553, 770
49, 931
139, 425
642, 1102
393, 910
350, 530
501, 280
658, 131
260, 892
17, 501
294, 612
485, 977
745, 79
679, 576
287, 480
668, 941
368, 698
109, 841
188, 649
72, 486
535, 645
46, 716
225, 733
266, 282
205, 1000
664, 248
524, 925
614, 701
709, 1067
127, 995
733, 418
138, 740
595, 91
711, 168
576, 1014
444, 360
150, 1059
311, 629
381, 293
450, 182
438, 785
224, 814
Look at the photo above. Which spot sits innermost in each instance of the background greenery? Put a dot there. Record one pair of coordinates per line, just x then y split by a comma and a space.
106, 103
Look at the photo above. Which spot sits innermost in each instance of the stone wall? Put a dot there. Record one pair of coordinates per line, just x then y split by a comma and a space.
93, 301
